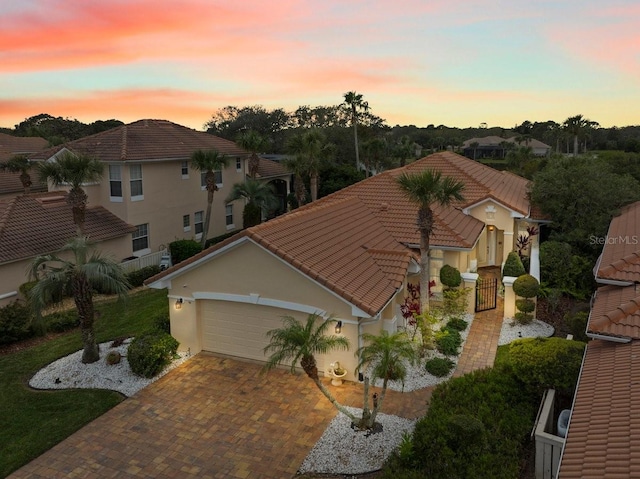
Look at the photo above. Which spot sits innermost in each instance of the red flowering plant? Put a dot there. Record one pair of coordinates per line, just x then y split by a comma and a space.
411, 308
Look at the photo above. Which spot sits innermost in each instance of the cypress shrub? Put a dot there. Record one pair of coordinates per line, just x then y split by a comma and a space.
513, 266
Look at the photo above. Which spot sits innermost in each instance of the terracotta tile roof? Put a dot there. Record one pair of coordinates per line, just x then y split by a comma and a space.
354, 242
42, 223
603, 440
146, 140
620, 259
269, 168
616, 312
10, 184
20, 145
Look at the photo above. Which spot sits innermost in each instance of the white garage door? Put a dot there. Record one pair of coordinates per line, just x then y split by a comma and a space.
239, 329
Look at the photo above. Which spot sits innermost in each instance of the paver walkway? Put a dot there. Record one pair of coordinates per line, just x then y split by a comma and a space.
482, 342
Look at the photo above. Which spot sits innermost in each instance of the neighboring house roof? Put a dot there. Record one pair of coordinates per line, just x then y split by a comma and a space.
20, 145
602, 440
269, 168
42, 223
605, 420
146, 140
620, 258
10, 183
356, 242
496, 141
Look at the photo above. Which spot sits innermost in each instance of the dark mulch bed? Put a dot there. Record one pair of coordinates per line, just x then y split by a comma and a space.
553, 313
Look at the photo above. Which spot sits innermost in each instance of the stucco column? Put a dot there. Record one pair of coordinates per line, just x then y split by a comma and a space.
534, 258
470, 280
509, 297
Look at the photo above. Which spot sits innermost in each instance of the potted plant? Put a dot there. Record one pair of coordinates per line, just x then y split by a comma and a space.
337, 373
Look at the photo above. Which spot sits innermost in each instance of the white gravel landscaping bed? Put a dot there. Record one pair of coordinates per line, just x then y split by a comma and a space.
345, 450
511, 330
69, 372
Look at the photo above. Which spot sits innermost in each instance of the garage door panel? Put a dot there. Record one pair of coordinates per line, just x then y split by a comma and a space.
238, 329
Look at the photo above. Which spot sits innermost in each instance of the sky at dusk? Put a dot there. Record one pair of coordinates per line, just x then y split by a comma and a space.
454, 62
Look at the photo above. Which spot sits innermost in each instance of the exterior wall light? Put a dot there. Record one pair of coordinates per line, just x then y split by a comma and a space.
338, 327
179, 303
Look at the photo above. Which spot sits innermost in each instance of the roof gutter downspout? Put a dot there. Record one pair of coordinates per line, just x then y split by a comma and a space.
611, 339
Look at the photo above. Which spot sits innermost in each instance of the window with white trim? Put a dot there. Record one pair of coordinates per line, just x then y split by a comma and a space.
203, 179
198, 222
135, 180
185, 170
141, 237
186, 223
229, 216
115, 183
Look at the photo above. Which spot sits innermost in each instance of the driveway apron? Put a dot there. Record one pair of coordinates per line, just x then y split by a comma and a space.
212, 417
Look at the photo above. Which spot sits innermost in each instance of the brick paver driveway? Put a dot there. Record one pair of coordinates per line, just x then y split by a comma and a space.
212, 417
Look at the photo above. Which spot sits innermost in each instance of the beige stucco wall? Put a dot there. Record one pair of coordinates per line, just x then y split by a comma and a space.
250, 270
167, 198
496, 215
13, 274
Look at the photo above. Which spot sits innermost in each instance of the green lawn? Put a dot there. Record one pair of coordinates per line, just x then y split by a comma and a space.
31, 421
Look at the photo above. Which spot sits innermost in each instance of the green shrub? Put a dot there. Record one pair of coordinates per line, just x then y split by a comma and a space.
523, 318
251, 215
162, 323
448, 341
513, 265
525, 305
543, 363
25, 288
183, 249
16, 322
455, 301
450, 276
526, 286
136, 278
452, 439
218, 239
458, 324
439, 367
577, 324
61, 321
149, 353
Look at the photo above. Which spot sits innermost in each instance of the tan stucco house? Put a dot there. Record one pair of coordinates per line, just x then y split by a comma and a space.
348, 255
41, 223
149, 182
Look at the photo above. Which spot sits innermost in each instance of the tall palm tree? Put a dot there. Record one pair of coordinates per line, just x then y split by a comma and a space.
425, 189
19, 164
297, 166
253, 142
258, 195
208, 162
576, 126
74, 170
384, 357
300, 342
354, 101
374, 152
85, 273
313, 149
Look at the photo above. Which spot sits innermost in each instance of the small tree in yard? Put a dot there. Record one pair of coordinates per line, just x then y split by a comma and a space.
384, 358
527, 287
84, 274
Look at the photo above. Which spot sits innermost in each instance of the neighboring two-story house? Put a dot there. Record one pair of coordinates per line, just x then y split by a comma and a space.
149, 182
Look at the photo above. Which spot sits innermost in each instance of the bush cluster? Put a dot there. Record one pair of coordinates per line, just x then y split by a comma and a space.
136, 278
577, 324
480, 436
448, 341
16, 322
456, 323
183, 249
455, 301
59, 322
439, 367
149, 353
162, 323
542, 363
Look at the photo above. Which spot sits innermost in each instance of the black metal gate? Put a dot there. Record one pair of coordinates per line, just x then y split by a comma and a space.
486, 294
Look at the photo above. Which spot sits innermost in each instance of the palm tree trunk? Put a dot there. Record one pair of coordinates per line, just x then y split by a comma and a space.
83, 299
333, 400
575, 145
424, 272
354, 120
313, 184
207, 219
366, 412
377, 405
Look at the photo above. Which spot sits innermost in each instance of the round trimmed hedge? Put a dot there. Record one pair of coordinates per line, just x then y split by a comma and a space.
526, 286
450, 276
